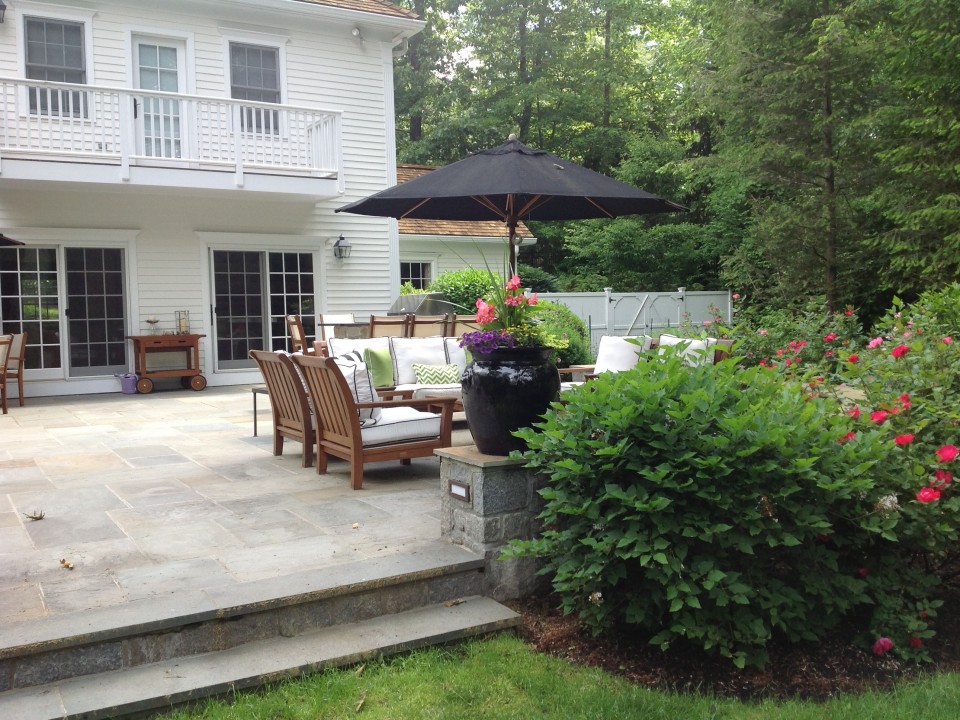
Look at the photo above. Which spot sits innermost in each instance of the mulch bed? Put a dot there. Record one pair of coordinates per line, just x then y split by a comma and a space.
808, 671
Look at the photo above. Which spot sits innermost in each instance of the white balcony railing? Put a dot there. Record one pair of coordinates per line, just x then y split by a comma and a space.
89, 123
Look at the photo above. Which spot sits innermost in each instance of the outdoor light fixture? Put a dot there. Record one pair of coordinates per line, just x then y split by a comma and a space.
342, 248
355, 32
3, 9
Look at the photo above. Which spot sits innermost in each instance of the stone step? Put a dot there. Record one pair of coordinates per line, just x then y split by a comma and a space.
160, 685
61, 647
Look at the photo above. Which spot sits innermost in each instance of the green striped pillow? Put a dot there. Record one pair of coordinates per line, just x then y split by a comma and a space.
436, 374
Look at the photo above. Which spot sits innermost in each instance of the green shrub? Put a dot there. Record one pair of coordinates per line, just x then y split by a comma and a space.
408, 288
463, 287
720, 506
568, 333
537, 280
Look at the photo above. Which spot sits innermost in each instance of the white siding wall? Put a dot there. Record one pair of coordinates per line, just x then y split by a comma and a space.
326, 68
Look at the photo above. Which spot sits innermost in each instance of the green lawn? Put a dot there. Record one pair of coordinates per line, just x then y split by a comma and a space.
501, 677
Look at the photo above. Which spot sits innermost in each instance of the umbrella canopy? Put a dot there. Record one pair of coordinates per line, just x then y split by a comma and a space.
8, 242
510, 183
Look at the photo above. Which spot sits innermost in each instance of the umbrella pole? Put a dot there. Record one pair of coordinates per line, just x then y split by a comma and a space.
512, 243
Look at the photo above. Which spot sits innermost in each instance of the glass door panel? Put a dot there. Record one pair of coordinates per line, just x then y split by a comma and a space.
158, 119
238, 308
30, 302
96, 311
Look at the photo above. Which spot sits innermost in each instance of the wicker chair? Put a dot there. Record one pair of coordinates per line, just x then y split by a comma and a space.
401, 433
292, 417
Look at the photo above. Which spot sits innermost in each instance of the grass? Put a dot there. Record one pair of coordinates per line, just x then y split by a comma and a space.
502, 678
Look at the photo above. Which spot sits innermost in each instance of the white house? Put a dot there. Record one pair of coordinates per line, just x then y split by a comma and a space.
188, 155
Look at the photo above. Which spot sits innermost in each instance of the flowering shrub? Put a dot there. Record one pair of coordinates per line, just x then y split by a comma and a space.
721, 505
506, 319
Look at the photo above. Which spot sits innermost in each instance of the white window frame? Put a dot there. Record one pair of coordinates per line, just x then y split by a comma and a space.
270, 40
420, 260
44, 12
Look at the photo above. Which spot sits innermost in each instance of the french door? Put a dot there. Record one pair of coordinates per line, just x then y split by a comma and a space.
158, 65
254, 291
96, 311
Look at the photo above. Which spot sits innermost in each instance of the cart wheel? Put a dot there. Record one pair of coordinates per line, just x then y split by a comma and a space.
198, 382
145, 385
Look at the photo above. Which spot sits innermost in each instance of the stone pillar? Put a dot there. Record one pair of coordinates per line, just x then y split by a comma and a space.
487, 501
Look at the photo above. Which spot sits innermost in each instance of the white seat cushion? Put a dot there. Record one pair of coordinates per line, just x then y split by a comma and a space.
616, 354
422, 350
424, 391
400, 424
695, 352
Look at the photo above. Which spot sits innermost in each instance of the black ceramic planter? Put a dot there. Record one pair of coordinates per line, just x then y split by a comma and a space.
505, 390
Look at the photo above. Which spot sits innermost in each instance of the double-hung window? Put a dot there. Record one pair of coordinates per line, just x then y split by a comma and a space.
55, 53
255, 75
417, 274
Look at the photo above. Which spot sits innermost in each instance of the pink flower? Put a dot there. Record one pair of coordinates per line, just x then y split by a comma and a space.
781, 351
513, 283
876, 342
946, 453
947, 340
532, 300
828, 353
853, 358
879, 416
905, 400
863, 572
900, 350
848, 312
847, 438
829, 337
854, 412
942, 478
707, 323
916, 642
903, 440
793, 344
928, 495
763, 331
882, 646
515, 300
788, 362
485, 312
736, 296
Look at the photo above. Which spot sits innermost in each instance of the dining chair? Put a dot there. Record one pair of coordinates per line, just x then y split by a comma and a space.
427, 325
292, 417
15, 363
5, 342
389, 326
298, 339
327, 323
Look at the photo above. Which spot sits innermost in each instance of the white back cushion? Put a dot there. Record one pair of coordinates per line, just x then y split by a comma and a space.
695, 352
341, 346
616, 354
456, 355
407, 351
361, 387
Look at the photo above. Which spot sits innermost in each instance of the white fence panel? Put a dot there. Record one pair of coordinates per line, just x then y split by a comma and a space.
644, 313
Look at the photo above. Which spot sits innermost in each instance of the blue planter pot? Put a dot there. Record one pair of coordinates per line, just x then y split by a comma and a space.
506, 390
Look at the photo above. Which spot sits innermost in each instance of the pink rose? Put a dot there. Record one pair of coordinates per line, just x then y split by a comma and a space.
903, 440
946, 453
900, 350
736, 296
854, 412
763, 331
916, 643
853, 358
829, 337
928, 495
882, 646
942, 478
947, 340
848, 313
879, 416
847, 438
876, 342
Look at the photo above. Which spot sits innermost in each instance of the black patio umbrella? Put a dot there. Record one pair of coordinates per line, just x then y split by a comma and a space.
511, 183
8, 242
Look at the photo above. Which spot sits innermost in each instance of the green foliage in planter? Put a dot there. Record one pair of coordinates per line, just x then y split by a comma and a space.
568, 333
463, 287
719, 506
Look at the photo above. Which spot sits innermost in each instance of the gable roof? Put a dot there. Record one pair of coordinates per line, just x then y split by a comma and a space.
377, 7
450, 228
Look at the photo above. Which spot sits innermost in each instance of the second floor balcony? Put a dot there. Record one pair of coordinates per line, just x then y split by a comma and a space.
62, 132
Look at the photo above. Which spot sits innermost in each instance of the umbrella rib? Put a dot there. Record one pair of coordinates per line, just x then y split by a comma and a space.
599, 207
414, 208
487, 203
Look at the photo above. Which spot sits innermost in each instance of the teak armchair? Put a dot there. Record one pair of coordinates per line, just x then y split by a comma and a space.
14, 371
288, 402
401, 433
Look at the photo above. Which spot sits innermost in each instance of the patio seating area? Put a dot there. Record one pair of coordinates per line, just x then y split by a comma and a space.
147, 495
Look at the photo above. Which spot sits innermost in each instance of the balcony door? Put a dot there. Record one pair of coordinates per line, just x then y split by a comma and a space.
159, 65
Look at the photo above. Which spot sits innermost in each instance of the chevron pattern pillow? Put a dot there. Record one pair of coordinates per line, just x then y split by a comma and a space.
436, 374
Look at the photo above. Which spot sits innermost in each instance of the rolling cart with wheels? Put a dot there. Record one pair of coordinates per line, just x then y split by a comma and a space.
188, 344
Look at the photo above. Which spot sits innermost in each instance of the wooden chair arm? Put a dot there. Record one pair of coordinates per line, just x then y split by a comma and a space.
574, 369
